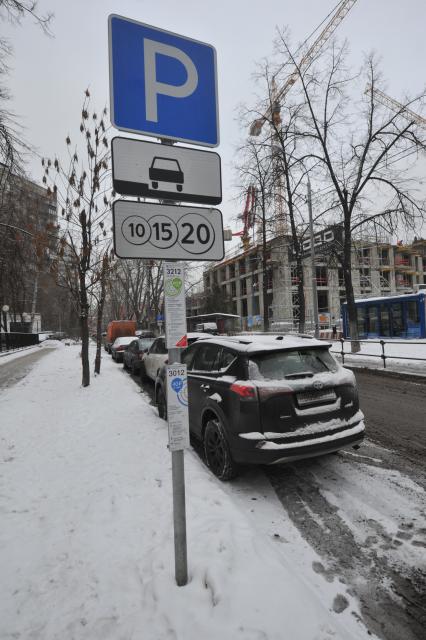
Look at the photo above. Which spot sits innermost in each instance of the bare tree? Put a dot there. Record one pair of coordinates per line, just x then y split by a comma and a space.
359, 148
12, 145
84, 196
255, 169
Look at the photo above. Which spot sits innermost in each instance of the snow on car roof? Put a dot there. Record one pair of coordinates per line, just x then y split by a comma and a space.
256, 343
125, 340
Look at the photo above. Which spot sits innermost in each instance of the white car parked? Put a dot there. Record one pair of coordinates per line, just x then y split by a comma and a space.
157, 355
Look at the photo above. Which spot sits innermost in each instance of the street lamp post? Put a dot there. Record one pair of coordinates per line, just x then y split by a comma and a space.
5, 309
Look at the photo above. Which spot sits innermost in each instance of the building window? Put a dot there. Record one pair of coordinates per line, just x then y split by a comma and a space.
269, 278
384, 257
321, 276
223, 274
364, 256
341, 277
365, 278
233, 289
402, 260
243, 286
322, 301
255, 282
253, 262
242, 265
385, 279
244, 308
232, 270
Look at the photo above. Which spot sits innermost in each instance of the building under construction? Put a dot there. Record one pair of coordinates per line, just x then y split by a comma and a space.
378, 269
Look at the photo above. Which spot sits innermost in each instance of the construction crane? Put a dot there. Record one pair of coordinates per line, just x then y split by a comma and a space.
247, 216
278, 95
396, 106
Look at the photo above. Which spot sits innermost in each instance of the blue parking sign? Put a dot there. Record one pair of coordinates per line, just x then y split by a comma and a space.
162, 84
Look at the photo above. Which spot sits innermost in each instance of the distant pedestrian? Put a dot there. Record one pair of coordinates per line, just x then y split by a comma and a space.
334, 329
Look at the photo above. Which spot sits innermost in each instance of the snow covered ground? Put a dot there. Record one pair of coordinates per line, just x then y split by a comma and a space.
86, 542
371, 350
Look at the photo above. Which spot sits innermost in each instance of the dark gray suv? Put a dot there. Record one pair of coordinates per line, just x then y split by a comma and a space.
266, 400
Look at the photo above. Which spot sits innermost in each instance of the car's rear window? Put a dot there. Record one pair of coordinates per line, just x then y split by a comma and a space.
145, 343
282, 364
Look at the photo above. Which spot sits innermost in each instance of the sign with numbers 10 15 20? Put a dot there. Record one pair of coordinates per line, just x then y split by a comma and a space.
150, 230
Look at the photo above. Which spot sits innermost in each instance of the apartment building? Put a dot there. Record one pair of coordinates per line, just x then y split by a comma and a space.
378, 269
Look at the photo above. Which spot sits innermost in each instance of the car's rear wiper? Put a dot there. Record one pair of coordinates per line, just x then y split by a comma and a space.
322, 363
301, 374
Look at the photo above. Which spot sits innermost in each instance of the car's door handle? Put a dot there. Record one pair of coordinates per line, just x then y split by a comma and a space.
205, 387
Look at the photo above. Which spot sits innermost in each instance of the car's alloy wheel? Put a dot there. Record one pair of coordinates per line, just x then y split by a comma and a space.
162, 405
216, 449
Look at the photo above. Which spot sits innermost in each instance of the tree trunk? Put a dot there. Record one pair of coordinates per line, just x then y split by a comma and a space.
301, 294
84, 333
264, 276
350, 298
100, 312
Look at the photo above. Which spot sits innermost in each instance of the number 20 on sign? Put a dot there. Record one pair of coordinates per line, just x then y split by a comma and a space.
147, 230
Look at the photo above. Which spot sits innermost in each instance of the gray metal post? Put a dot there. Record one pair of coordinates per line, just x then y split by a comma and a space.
314, 278
178, 481
179, 513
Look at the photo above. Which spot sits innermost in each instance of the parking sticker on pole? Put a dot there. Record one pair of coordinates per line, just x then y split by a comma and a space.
177, 407
174, 304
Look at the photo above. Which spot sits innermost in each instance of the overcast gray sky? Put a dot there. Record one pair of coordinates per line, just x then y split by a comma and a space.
49, 75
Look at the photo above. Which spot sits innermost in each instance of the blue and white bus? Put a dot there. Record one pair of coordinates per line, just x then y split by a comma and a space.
391, 317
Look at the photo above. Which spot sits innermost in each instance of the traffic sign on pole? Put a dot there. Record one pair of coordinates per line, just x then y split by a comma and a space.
162, 84
151, 170
167, 232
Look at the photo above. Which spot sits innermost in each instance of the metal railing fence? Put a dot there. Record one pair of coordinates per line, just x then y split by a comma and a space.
12, 340
383, 355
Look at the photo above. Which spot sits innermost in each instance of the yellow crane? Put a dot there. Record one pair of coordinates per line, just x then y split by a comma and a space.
278, 95
396, 106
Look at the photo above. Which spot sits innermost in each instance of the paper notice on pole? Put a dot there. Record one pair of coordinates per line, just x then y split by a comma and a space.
174, 303
177, 407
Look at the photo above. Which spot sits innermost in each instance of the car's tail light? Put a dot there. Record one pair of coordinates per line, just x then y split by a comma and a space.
243, 390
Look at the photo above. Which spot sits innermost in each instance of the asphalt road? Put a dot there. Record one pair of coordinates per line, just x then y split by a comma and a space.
392, 595
395, 415
12, 372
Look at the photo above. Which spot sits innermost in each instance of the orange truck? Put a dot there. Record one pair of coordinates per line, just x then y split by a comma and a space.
118, 329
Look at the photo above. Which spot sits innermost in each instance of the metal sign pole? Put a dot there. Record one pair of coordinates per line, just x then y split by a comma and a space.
178, 461
179, 508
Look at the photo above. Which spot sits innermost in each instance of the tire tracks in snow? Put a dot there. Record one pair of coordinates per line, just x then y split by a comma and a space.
392, 601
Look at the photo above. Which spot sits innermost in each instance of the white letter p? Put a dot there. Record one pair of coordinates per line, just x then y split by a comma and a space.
153, 87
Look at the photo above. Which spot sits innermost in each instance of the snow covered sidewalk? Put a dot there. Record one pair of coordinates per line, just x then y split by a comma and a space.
86, 541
